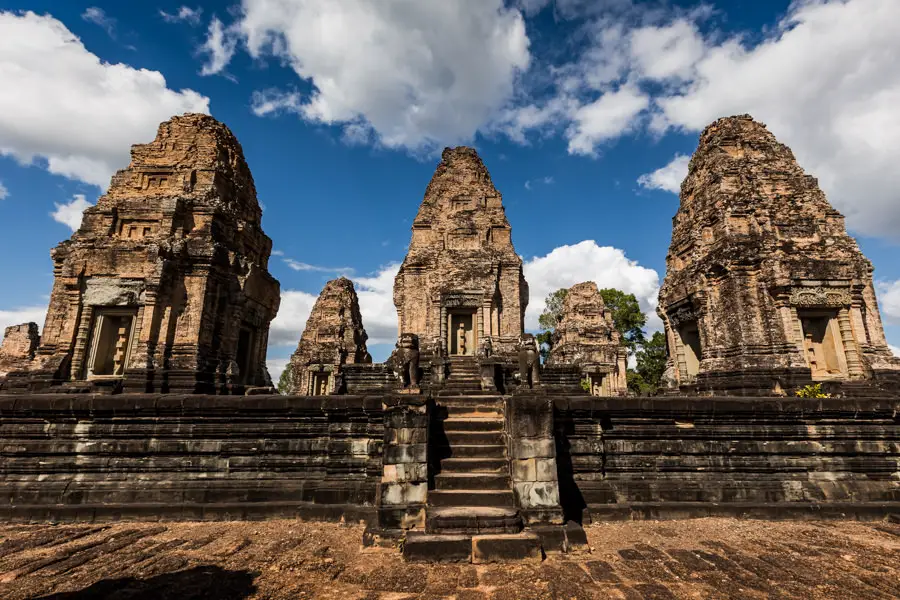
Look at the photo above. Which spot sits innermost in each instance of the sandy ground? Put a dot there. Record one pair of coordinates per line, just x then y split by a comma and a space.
643, 560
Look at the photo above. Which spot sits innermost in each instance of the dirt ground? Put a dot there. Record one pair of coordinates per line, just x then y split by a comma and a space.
641, 560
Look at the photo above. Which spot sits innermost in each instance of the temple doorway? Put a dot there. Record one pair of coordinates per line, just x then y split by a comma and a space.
461, 333
690, 343
110, 342
822, 343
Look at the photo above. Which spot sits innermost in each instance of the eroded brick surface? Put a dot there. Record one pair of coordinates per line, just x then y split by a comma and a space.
704, 558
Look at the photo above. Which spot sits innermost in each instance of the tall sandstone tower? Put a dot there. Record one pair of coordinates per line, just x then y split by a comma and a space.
461, 280
165, 286
764, 290
334, 336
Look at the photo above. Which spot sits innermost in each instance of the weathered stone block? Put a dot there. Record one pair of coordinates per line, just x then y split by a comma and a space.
543, 494
533, 448
405, 453
404, 493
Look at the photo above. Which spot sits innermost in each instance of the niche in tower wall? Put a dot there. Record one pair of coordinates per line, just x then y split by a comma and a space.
110, 344
319, 383
245, 353
822, 346
598, 384
690, 351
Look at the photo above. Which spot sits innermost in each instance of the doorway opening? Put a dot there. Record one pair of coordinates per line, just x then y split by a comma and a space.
462, 338
822, 344
110, 343
690, 343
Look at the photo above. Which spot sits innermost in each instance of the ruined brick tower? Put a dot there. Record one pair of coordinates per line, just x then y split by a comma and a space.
165, 286
587, 337
462, 280
334, 336
764, 289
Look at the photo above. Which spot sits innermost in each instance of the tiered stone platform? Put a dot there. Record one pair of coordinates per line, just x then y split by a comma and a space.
80, 457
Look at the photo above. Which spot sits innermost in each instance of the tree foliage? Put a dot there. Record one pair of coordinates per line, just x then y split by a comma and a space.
548, 321
651, 364
553, 310
284, 381
627, 316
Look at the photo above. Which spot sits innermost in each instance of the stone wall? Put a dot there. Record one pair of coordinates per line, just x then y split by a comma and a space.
97, 457
18, 347
758, 457
90, 457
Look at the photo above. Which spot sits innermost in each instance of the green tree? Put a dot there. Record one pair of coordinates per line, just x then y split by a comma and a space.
627, 316
284, 382
548, 321
553, 310
651, 361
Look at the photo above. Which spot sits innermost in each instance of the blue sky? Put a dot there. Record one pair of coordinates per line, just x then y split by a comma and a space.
584, 113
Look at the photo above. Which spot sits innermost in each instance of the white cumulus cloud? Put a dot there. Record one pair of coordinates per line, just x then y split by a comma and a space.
376, 303
62, 103
826, 83
4, 193
889, 300
895, 350
70, 213
669, 177
219, 47
290, 321
276, 366
418, 74
606, 266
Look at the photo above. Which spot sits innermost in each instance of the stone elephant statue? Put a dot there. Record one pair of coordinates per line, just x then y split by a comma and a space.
529, 361
406, 360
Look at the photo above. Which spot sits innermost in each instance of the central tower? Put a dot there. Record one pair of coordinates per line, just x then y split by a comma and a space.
461, 281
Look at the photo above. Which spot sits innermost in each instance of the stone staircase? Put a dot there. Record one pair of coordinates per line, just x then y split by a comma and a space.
471, 513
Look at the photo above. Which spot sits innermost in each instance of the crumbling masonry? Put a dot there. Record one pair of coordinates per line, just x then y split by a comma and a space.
164, 286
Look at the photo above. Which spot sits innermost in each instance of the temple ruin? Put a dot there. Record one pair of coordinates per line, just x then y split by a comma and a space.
764, 290
20, 342
462, 447
461, 281
586, 336
164, 287
334, 336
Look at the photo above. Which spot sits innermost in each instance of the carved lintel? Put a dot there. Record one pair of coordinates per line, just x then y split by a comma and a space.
684, 314
820, 296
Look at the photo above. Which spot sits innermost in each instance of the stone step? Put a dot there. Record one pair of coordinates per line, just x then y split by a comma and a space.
467, 451
500, 547
469, 410
472, 481
470, 520
456, 393
474, 438
478, 549
470, 498
473, 424
475, 465
426, 547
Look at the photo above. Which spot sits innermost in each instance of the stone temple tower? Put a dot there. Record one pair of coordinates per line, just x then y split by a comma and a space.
764, 290
334, 337
461, 281
165, 286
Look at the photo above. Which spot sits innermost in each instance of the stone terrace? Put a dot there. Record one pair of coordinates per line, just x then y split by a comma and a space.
702, 558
